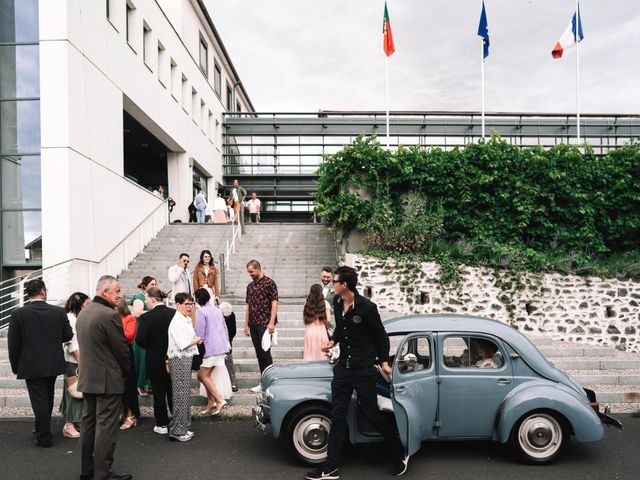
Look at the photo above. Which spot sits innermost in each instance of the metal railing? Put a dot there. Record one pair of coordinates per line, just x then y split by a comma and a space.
13, 295
234, 235
81, 274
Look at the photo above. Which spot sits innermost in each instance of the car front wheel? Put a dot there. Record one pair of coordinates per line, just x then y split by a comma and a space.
308, 433
539, 437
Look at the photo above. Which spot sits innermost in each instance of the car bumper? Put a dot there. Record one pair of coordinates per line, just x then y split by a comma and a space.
261, 415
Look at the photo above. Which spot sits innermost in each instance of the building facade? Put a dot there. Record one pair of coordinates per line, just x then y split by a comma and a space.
102, 102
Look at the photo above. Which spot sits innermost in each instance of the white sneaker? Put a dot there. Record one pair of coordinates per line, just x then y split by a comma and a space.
257, 389
161, 430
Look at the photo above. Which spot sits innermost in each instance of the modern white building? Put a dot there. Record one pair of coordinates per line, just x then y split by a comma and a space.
103, 101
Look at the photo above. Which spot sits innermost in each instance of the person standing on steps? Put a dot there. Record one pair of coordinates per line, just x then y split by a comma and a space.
261, 313
179, 277
230, 320
363, 343
200, 202
153, 336
326, 277
237, 197
36, 334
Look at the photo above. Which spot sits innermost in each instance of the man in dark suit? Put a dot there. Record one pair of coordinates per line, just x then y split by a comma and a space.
36, 334
105, 364
152, 335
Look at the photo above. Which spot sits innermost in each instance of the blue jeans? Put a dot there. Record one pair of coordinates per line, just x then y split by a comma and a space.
200, 215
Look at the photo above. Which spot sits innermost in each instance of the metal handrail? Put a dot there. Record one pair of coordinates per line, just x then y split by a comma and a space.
236, 232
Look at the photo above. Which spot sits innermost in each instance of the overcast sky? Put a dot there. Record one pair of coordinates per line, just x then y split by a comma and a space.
306, 55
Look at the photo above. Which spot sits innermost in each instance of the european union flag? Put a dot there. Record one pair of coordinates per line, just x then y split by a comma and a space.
483, 31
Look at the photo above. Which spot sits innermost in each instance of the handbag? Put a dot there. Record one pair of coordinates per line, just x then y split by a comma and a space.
72, 385
196, 360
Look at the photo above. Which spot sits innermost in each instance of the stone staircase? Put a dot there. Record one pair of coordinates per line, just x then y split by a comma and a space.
293, 255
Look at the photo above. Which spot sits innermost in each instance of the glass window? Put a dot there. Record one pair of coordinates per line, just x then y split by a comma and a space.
20, 182
415, 355
471, 352
22, 237
19, 21
204, 56
19, 71
20, 127
217, 78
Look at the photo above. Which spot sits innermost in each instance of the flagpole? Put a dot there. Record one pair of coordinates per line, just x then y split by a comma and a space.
482, 82
386, 63
577, 37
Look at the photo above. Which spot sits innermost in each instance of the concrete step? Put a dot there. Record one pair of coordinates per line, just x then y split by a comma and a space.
595, 363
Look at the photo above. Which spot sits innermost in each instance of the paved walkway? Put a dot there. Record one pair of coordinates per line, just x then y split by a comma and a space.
235, 450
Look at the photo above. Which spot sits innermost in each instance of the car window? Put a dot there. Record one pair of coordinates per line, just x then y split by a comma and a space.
471, 352
415, 355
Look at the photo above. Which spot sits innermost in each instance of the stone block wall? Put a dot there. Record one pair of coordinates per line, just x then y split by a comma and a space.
565, 307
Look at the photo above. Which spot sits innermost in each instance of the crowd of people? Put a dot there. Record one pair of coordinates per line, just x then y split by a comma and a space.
111, 352
222, 210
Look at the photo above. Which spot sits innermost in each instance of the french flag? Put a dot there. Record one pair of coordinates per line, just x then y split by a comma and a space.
570, 37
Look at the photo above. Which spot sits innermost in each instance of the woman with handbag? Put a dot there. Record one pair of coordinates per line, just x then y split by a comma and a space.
72, 402
211, 327
182, 348
130, 404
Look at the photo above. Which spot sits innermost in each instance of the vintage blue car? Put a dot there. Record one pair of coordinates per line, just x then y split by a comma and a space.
454, 377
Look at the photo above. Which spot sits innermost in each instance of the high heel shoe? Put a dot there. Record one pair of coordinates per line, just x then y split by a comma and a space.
207, 410
70, 431
129, 423
217, 411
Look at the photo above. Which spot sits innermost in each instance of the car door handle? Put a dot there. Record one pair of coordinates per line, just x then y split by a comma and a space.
504, 381
400, 389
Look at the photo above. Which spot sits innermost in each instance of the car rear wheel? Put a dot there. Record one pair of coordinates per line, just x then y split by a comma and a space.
308, 433
539, 437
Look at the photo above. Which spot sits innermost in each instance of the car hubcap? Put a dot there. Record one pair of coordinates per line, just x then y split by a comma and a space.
311, 436
540, 436
315, 435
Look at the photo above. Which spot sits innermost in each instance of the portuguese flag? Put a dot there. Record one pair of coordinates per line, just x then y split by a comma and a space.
387, 36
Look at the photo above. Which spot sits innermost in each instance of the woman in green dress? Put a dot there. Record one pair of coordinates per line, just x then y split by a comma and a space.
139, 307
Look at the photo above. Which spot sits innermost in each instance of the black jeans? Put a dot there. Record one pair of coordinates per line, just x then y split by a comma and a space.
264, 358
162, 397
363, 381
41, 392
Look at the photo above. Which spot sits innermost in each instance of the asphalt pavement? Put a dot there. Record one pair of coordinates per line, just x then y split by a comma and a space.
233, 450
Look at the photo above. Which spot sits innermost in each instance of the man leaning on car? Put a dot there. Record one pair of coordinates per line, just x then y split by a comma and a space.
363, 343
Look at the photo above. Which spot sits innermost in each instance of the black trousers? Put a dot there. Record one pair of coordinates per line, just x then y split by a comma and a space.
264, 358
363, 381
98, 435
162, 397
41, 395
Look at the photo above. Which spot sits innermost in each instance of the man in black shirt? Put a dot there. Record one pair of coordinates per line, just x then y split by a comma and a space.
363, 343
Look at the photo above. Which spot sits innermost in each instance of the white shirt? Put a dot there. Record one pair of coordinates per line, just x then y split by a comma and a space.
254, 205
72, 345
181, 334
220, 204
234, 195
180, 280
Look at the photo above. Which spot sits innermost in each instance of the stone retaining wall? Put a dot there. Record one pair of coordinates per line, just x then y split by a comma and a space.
565, 307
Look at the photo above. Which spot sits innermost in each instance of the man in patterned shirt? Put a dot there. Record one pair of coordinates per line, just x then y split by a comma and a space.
260, 313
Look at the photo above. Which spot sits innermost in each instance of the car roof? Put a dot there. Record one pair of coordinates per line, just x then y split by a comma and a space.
470, 324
